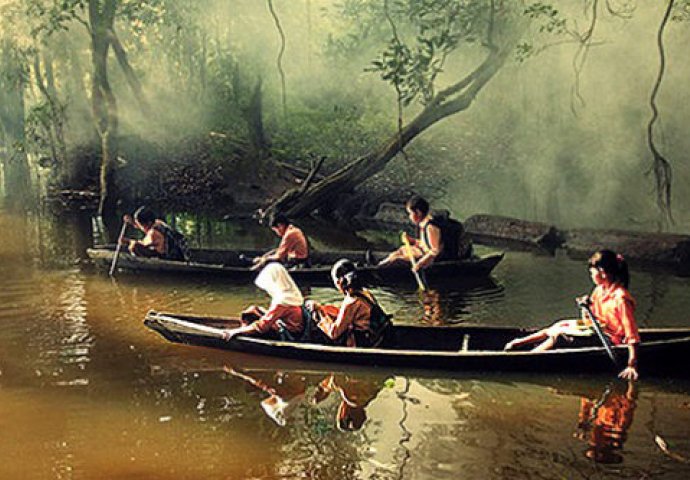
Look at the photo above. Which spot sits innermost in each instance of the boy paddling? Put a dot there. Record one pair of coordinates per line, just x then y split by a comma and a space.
293, 250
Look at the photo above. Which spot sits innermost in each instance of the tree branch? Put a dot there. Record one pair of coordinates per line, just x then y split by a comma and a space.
130, 75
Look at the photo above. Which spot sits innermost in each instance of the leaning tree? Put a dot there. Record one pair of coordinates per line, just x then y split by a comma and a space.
429, 39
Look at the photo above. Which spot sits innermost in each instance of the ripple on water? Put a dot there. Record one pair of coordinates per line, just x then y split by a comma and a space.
62, 339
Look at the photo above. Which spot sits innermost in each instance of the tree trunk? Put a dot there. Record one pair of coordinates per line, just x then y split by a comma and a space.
16, 175
454, 99
104, 104
55, 126
127, 69
255, 122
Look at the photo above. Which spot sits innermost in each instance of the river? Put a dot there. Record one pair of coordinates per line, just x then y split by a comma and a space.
86, 391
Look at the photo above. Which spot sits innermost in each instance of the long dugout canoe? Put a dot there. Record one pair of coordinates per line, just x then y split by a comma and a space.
663, 351
230, 265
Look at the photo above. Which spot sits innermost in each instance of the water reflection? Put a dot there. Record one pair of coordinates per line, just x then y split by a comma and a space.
79, 371
449, 304
286, 390
604, 422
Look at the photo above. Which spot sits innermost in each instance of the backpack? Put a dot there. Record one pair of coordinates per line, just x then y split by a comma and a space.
379, 321
456, 244
175, 243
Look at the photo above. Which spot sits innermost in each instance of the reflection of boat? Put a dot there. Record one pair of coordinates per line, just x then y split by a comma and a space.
467, 347
604, 422
232, 264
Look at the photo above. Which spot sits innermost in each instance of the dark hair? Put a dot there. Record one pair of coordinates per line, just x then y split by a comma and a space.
418, 203
144, 216
614, 265
278, 219
345, 271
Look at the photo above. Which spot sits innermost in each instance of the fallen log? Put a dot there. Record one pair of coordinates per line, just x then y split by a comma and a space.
513, 233
74, 199
389, 216
666, 251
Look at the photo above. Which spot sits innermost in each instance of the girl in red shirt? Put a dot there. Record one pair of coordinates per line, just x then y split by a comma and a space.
285, 310
611, 304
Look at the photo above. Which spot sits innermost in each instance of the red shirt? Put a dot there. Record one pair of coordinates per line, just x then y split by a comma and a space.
614, 308
293, 245
291, 316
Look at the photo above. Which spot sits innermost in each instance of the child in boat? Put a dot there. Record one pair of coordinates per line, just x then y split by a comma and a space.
429, 245
293, 250
359, 321
611, 304
160, 240
283, 319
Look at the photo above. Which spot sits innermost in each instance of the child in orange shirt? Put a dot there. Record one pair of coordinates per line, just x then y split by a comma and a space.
611, 304
351, 324
293, 250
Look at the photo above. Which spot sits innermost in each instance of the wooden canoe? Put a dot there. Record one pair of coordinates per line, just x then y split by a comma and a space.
230, 265
464, 348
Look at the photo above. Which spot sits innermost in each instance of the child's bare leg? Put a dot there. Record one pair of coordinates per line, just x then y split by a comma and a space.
546, 344
394, 257
532, 338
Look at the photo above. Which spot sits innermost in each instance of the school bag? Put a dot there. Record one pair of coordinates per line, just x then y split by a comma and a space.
379, 321
456, 244
176, 243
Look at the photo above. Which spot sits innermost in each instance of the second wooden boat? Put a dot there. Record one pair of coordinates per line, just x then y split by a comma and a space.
232, 264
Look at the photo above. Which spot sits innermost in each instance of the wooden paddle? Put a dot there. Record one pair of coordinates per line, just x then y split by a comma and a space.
600, 332
118, 248
413, 262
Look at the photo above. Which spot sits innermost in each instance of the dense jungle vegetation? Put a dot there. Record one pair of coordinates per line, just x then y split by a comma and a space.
569, 112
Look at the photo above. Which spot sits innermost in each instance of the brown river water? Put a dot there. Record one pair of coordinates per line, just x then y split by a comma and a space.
87, 392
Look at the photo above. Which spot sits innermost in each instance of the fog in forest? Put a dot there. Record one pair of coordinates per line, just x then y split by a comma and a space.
529, 146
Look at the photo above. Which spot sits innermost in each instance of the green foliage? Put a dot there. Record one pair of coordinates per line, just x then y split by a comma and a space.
435, 28
546, 20
51, 17
340, 129
551, 19
681, 11
358, 26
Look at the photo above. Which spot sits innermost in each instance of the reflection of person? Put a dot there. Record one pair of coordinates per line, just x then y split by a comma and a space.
433, 311
604, 423
293, 250
285, 391
611, 304
360, 321
284, 316
355, 395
